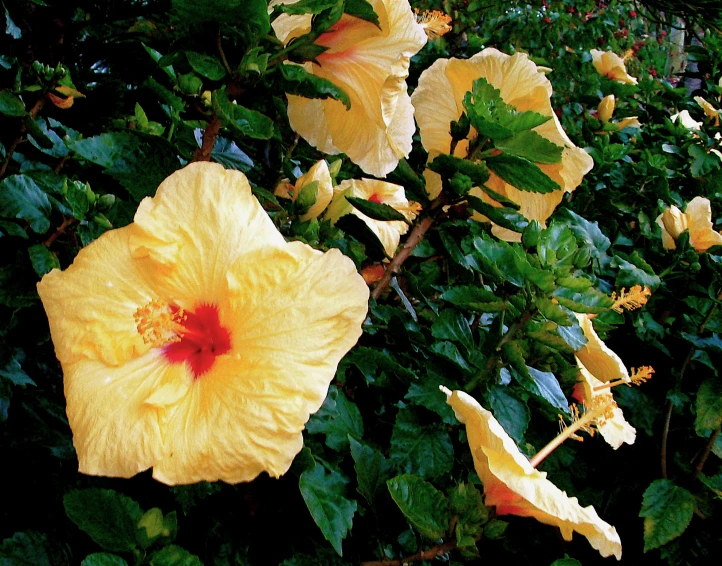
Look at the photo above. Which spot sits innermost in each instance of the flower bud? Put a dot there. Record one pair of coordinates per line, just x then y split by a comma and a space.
606, 108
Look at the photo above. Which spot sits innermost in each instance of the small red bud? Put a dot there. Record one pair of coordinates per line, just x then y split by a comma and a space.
547, 20
632, 14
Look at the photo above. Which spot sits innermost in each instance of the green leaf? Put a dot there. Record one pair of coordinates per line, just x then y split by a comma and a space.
376, 210
361, 9
530, 145
43, 260
30, 549
306, 6
709, 407
505, 217
228, 154
140, 163
636, 272
244, 120
422, 504
205, 65
13, 370
296, 80
354, 226
510, 411
372, 470
110, 518
10, 28
521, 173
426, 394
450, 352
338, 419
590, 301
552, 311
452, 325
714, 483
586, 232
103, 559
422, 449
566, 561
249, 16
11, 105
667, 511
541, 383
475, 299
466, 502
21, 197
173, 555
703, 163
165, 95
324, 494
448, 165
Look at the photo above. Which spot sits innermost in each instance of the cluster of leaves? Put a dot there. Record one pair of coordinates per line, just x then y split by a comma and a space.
386, 471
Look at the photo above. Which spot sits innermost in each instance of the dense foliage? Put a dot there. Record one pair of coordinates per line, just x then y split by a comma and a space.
100, 101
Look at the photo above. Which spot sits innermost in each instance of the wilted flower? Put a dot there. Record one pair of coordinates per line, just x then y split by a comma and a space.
612, 66
515, 487
370, 63
697, 219
598, 365
196, 340
388, 232
438, 101
710, 110
686, 120
318, 174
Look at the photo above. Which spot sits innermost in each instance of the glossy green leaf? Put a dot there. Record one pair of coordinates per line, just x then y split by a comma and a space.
338, 419
22, 198
475, 299
521, 173
532, 146
422, 504
243, 120
30, 549
421, 449
205, 65
324, 493
452, 325
372, 470
296, 80
43, 259
667, 510
708, 407
11, 105
376, 210
511, 412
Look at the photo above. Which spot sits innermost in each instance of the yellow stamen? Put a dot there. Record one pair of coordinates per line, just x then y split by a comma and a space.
634, 299
638, 377
159, 324
434, 22
594, 414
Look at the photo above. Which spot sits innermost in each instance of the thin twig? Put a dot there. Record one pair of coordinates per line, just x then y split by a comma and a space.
705, 454
429, 554
37, 107
414, 239
210, 134
222, 53
67, 223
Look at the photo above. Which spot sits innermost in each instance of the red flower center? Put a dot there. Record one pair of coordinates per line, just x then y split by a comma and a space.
375, 198
202, 339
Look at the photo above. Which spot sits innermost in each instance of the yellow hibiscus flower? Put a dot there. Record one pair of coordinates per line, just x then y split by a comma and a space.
710, 110
598, 365
388, 232
195, 340
697, 219
370, 63
605, 110
611, 65
685, 118
514, 487
438, 100
318, 173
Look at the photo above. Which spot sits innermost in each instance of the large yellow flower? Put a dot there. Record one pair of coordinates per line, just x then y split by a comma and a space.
388, 232
516, 488
195, 340
697, 218
598, 365
370, 63
438, 100
611, 65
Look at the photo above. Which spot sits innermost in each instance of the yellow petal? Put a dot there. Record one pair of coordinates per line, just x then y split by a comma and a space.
673, 222
597, 357
90, 305
615, 429
515, 487
188, 242
289, 330
686, 120
606, 108
710, 110
630, 122
370, 64
611, 65
115, 431
702, 235
388, 232
317, 173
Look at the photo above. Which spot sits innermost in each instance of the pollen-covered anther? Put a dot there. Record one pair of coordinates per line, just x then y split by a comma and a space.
159, 323
635, 298
638, 376
434, 22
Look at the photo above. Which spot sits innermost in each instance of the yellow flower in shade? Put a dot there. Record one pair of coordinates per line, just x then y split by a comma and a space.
710, 110
66, 98
439, 99
605, 110
370, 63
195, 340
598, 365
697, 218
686, 120
514, 487
388, 232
319, 174
612, 66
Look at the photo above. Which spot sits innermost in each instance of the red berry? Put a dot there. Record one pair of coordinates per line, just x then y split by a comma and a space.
663, 33
653, 72
571, 10
632, 14
547, 20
